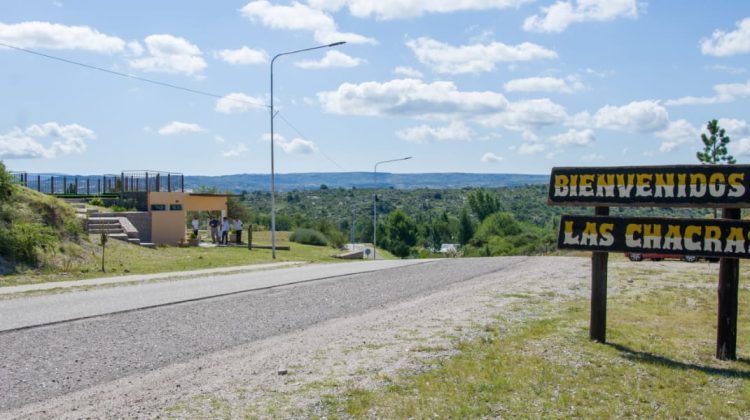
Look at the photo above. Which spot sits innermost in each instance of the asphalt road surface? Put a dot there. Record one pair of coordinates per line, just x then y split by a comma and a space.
42, 362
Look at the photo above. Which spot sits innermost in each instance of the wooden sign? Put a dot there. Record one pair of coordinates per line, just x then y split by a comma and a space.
699, 237
652, 186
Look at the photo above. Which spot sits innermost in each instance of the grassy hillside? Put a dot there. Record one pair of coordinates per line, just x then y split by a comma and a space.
36, 231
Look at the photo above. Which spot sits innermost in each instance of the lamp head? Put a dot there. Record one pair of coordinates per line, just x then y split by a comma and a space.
335, 44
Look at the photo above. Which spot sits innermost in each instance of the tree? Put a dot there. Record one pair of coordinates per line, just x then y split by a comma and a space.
483, 203
401, 232
6, 183
715, 146
465, 227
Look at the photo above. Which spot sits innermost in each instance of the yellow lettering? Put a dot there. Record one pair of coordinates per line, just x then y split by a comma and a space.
736, 188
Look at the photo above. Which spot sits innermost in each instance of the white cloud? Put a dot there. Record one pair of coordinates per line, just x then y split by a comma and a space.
543, 84
490, 157
242, 56
734, 128
725, 93
410, 98
636, 117
235, 151
219, 139
135, 48
170, 54
296, 145
531, 148
723, 44
178, 127
560, 15
300, 17
29, 143
399, 9
676, 134
237, 102
475, 58
456, 130
574, 137
741, 147
525, 115
727, 69
35, 34
331, 59
408, 72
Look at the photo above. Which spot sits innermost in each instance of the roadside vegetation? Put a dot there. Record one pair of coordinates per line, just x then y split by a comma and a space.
658, 362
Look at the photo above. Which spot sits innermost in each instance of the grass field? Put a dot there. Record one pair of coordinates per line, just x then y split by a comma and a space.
658, 362
123, 259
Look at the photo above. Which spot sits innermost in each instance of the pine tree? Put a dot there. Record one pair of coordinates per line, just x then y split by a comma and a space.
715, 146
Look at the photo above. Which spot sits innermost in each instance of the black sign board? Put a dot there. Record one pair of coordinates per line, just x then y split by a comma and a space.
724, 186
700, 237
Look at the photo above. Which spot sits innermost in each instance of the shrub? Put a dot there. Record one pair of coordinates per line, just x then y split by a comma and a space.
308, 237
24, 241
96, 201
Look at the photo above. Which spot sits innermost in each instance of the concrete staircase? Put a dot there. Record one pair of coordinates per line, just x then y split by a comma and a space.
115, 227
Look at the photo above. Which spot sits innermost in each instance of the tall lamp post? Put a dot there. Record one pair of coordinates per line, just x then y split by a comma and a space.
273, 174
375, 205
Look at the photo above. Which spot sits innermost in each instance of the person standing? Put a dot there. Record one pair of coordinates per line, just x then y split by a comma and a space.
196, 225
214, 225
225, 232
238, 231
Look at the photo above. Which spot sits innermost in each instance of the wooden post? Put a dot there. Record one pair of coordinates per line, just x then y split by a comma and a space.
598, 320
729, 276
250, 236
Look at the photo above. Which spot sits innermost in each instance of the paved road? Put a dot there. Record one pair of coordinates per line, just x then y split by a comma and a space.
44, 362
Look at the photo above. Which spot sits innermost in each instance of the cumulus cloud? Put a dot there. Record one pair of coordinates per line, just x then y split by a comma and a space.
410, 98
238, 150
574, 137
723, 44
331, 59
424, 133
474, 58
560, 15
408, 72
242, 56
543, 84
295, 146
30, 143
526, 115
399, 9
237, 102
636, 117
725, 93
592, 157
676, 134
35, 34
490, 157
170, 54
301, 17
177, 127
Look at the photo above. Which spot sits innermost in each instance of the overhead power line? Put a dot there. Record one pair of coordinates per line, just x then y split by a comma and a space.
163, 84
132, 76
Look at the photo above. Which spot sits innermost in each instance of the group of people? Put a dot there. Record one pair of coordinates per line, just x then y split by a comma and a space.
220, 230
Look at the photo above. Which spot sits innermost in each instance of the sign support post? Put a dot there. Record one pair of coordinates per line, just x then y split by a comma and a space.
598, 320
729, 276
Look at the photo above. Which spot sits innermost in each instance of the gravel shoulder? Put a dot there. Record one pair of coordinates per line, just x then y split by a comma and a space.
359, 351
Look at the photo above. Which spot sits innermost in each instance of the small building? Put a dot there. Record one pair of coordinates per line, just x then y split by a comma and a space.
168, 212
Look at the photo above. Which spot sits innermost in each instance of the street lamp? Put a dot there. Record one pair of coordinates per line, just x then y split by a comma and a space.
375, 205
273, 174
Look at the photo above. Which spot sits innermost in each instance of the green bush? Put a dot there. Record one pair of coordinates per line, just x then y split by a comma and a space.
97, 201
24, 242
308, 237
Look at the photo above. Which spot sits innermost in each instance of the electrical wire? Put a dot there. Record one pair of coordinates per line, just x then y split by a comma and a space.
132, 76
164, 84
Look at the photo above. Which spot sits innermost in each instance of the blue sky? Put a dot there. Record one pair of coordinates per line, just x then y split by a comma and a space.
494, 86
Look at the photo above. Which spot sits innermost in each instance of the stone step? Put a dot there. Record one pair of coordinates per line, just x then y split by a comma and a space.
148, 244
110, 232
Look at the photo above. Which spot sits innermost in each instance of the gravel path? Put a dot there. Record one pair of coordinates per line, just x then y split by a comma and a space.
222, 354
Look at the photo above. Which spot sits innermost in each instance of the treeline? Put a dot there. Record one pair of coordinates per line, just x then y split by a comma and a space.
483, 222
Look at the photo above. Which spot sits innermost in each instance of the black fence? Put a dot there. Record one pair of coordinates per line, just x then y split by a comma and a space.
127, 183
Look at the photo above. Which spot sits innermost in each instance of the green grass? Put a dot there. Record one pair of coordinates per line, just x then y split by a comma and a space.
658, 363
124, 259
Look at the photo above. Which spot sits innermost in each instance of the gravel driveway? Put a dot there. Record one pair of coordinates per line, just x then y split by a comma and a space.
223, 354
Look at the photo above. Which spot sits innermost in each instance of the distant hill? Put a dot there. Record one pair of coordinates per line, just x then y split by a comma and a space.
313, 180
